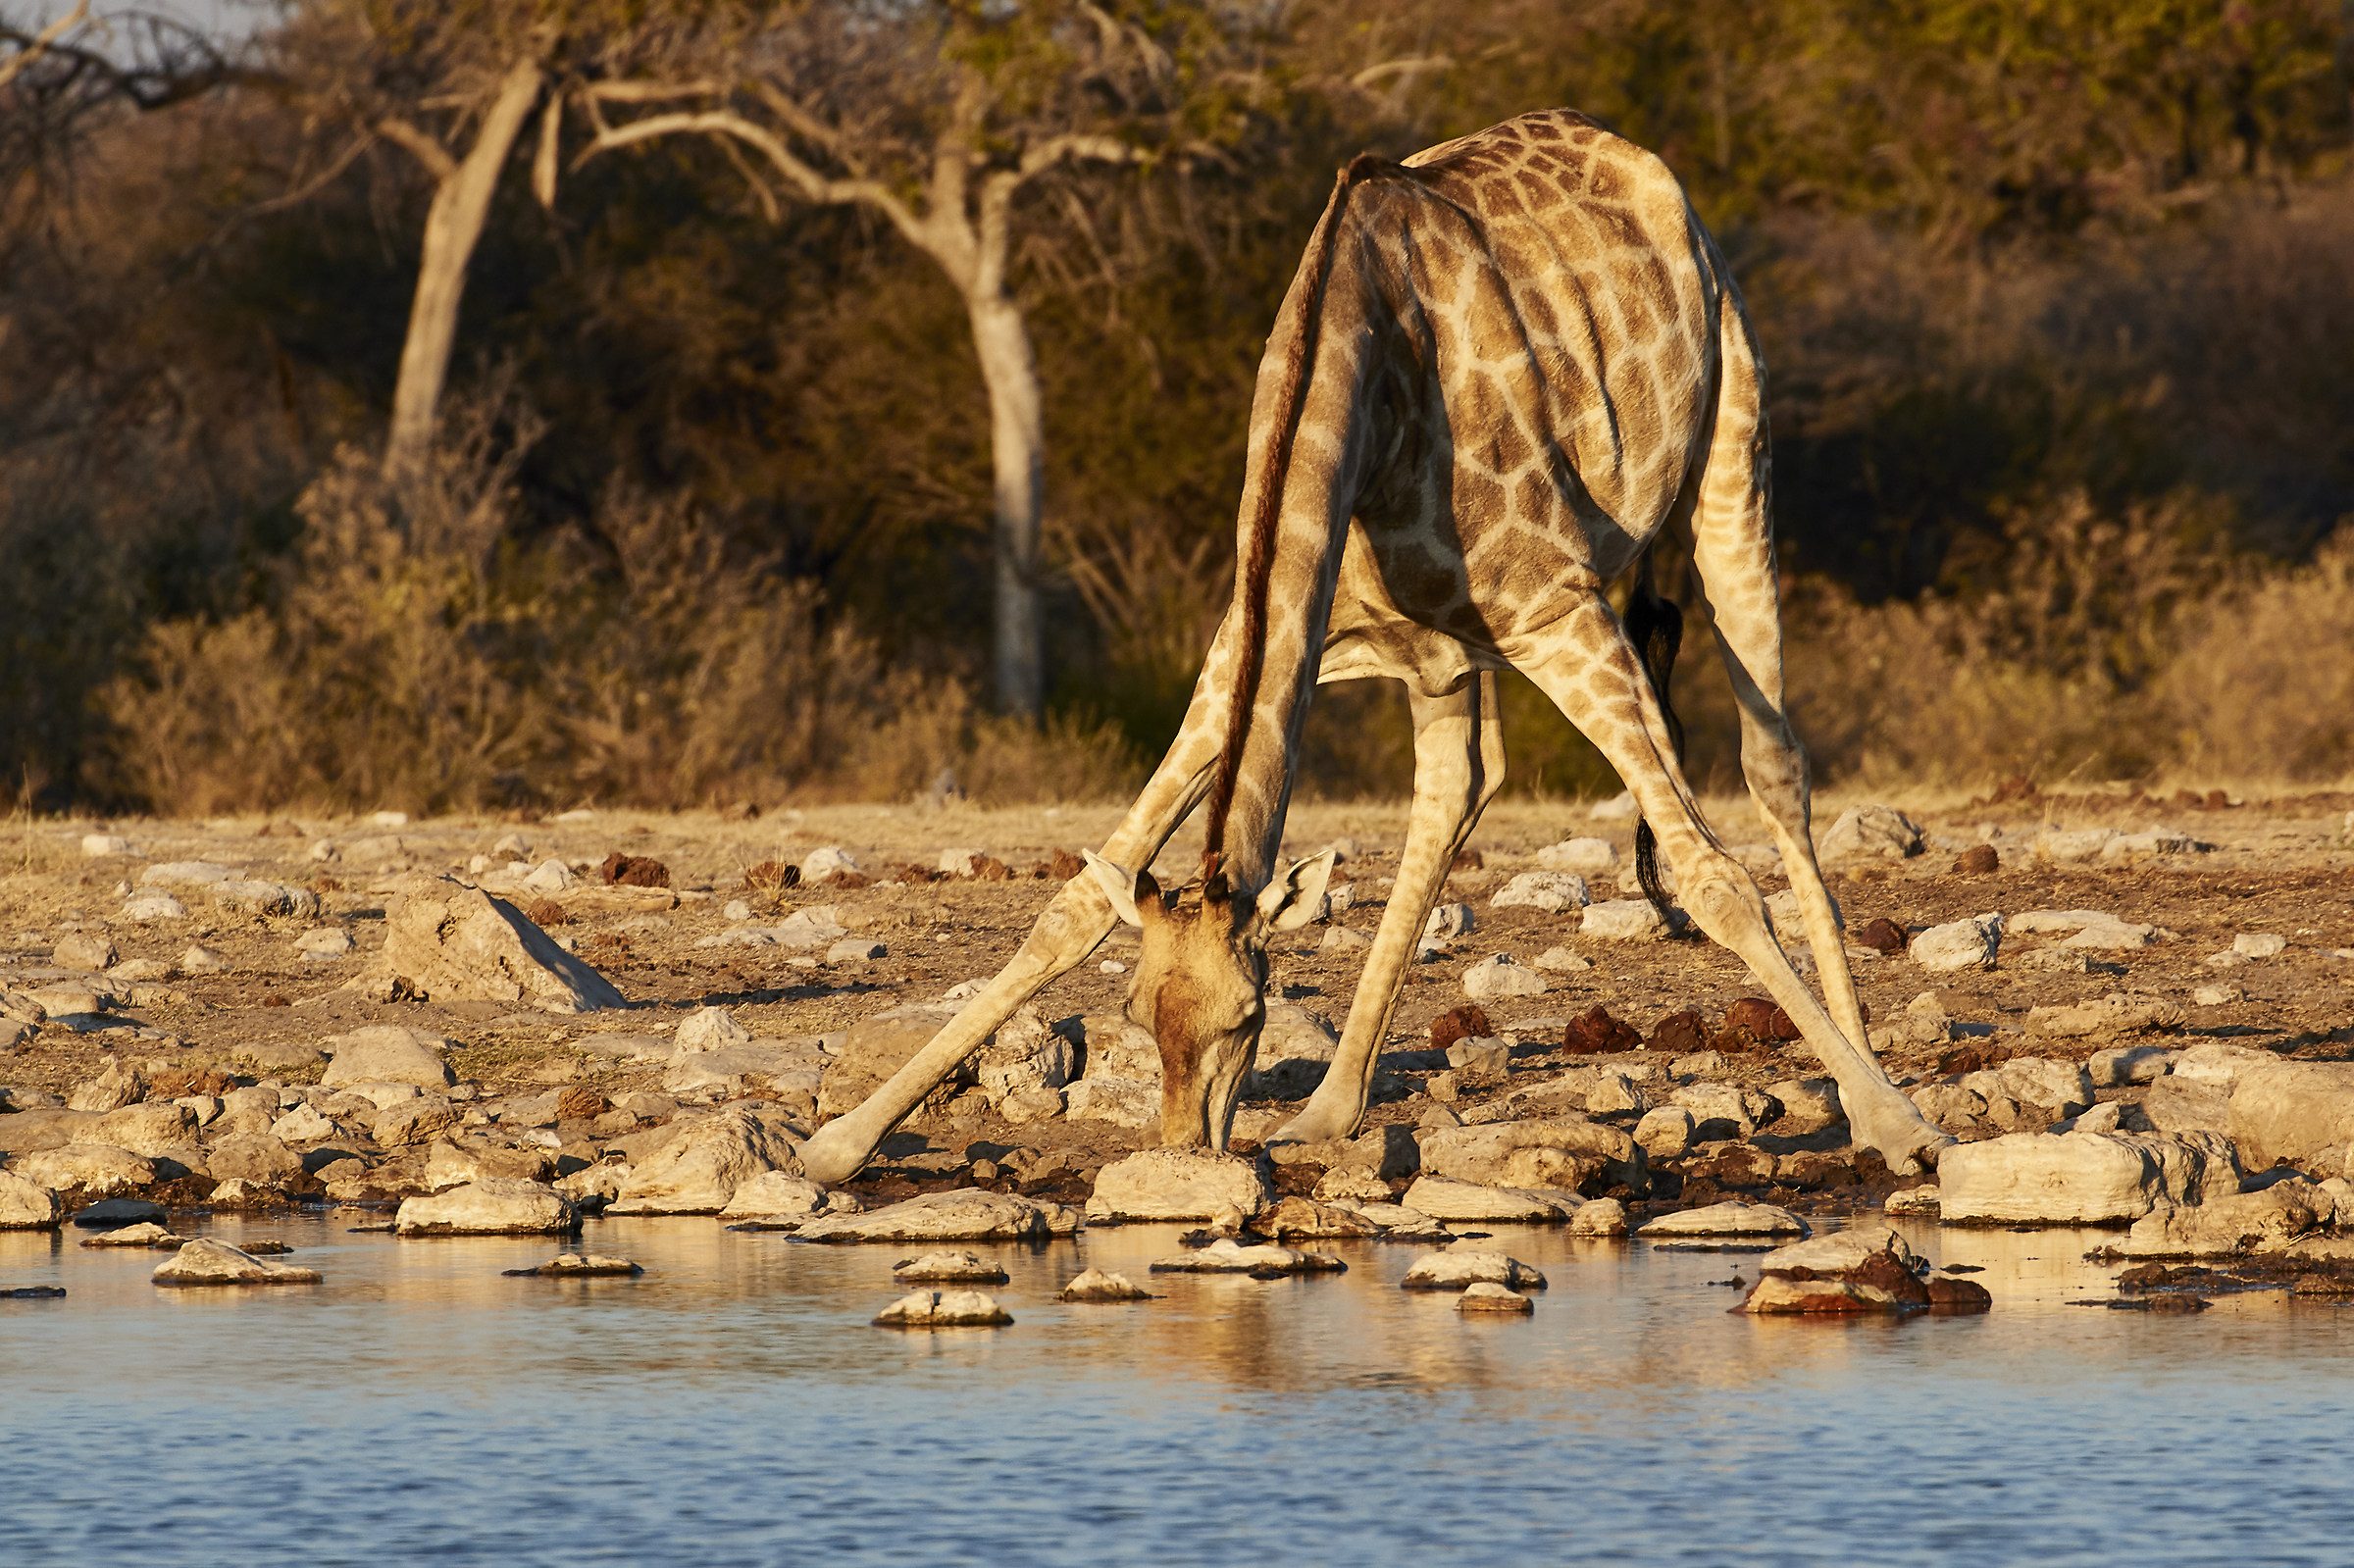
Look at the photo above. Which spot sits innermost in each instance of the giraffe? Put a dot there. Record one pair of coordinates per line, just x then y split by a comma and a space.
1505, 366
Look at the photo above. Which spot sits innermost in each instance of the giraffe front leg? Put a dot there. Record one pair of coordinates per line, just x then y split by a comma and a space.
1079, 918
1597, 682
1458, 766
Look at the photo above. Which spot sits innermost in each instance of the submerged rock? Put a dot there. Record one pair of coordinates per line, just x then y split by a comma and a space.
948, 1268
1484, 1295
207, 1262
1096, 1284
580, 1266
1727, 1219
1454, 1270
145, 1233
942, 1309
1228, 1257
1854, 1271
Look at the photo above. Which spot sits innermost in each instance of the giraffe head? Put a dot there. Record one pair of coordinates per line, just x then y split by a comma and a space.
1201, 983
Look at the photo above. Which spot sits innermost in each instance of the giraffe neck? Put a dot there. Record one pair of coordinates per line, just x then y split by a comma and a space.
1299, 502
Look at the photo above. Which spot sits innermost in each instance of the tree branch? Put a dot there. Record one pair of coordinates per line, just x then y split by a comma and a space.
428, 151
40, 44
807, 181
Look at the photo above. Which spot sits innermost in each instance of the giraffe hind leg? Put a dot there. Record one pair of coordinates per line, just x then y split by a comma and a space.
1599, 682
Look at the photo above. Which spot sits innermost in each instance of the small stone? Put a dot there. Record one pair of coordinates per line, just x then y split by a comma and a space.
1549, 890
1096, 1284
491, 1206
710, 1029
303, 1125
1498, 978
1870, 833
145, 1233
202, 960
828, 861
948, 1268
1561, 961
1595, 1033
84, 952
1919, 1200
853, 949
1584, 857
1447, 922
1960, 945
2248, 945
1176, 1185
736, 909
1978, 860
1226, 1255
1624, 920
326, 943
1604, 1216
580, 1266
148, 907
1665, 1132
942, 1309
98, 845
1485, 1296
1340, 940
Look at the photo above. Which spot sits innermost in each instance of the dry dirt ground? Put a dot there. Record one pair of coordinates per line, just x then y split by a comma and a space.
2283, 866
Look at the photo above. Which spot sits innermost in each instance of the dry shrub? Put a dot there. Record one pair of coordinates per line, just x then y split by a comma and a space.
415, 656
2263, 684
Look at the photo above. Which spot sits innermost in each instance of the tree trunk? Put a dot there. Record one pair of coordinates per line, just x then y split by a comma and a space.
452, 227
1017, 448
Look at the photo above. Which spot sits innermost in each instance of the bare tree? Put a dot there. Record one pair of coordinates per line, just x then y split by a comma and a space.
31, 47
939, 115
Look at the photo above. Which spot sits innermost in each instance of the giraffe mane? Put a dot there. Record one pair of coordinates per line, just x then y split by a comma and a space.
1259, 552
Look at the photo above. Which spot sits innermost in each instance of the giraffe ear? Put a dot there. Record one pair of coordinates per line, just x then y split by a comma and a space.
1122, 887
1297, 896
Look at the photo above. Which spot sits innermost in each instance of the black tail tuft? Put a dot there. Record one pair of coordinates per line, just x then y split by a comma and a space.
1655, 627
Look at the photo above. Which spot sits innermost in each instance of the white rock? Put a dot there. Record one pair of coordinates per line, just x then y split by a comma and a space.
1498, 978
97, 1170
450, 943
1915, 1200
2219, 996
2258, 944
2132, 848
1447, 922
1621, 807
1444, 1198
2081, 1178
942, 1309
1229, 1256
1339, 938
255, 896
1605, 1216
1870, 833
97, 845
710, 1029
949, 1268
698, 1171
2072, 849
1537, 1152
736, 909
1959, 945
1131, 1102
2302, 1112
491, 1205
966, 1214
1561, 961
2120, 1066
1451, 1270
327, 942
1548, 890
28, 1205
2060, 1087
2262, 1221
821, 863
387, 1053
186, 874
2114, 1014
302, 1125
2220, 1062
202, 960
148, 907
1583, 857
1096, 1284
1485, 1296
784, 1200
851, 949
550, 877
1624, 920
1665, 1131
207, 1262
1176, 1185
1726, 1219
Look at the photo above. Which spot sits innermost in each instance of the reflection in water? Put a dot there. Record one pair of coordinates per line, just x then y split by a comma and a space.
732, 1405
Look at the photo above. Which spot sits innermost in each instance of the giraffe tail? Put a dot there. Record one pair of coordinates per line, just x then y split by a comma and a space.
1655, 624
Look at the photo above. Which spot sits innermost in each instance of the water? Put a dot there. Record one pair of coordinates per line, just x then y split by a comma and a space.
733, 1407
